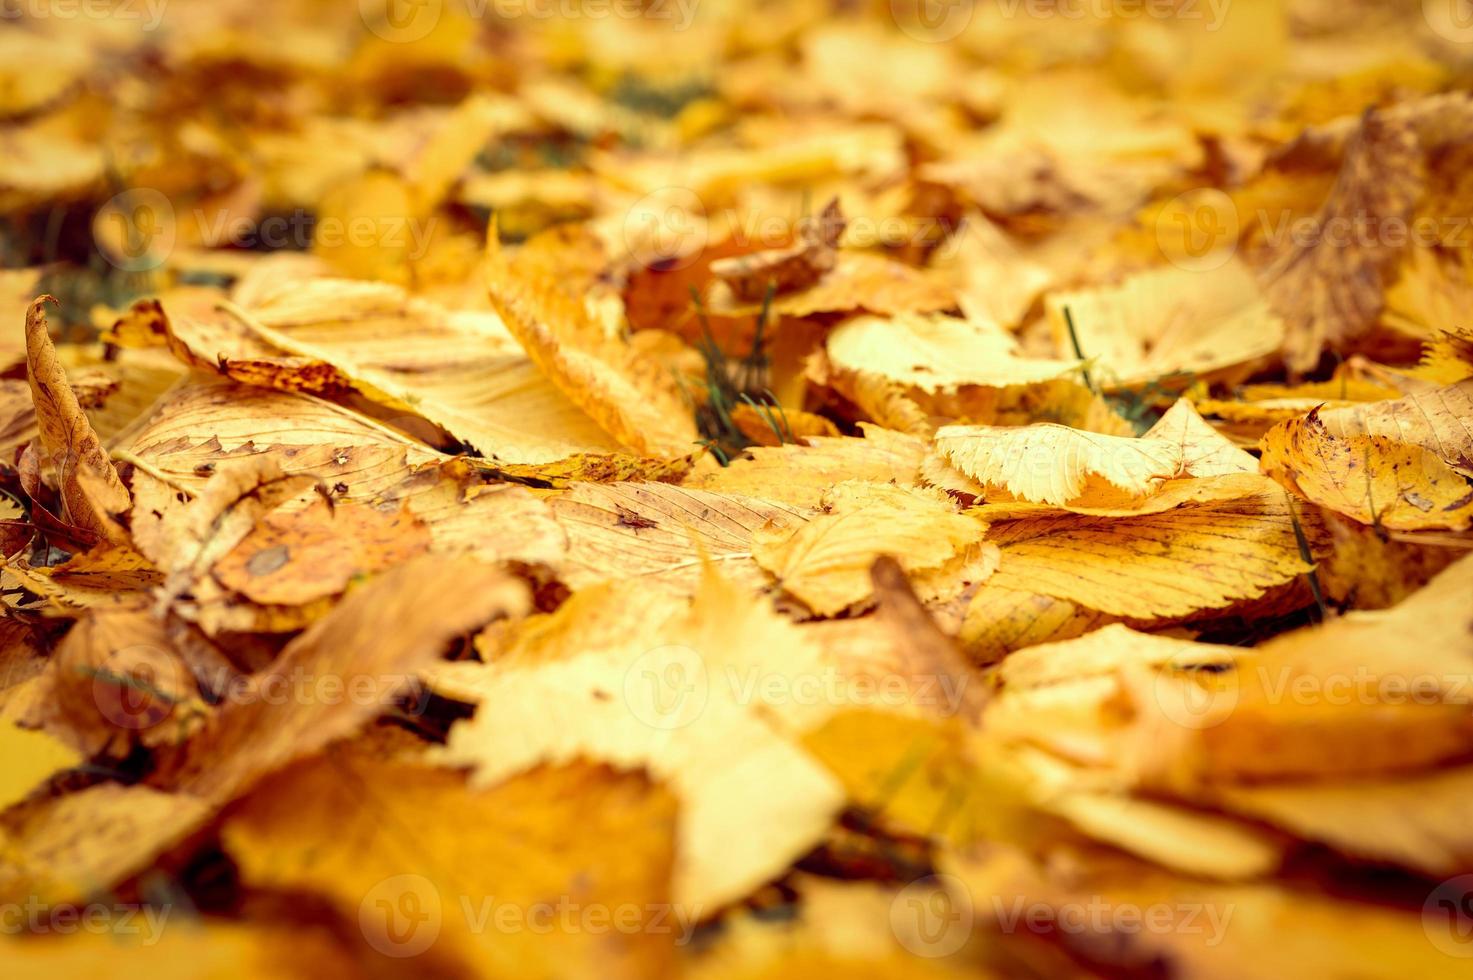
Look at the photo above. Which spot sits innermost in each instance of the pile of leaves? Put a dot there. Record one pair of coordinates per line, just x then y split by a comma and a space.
736, 488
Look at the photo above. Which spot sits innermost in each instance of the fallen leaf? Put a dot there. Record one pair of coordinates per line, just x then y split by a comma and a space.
1373, 479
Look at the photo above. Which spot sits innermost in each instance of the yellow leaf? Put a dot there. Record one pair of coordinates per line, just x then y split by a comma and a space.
1183, 561
158, 942
1169, 321
1370, 478
935, 353
687, 701
371, 644
1055, 464
1436, 420
826, 561
661, 534
633, 401
858, 281
32, 756
800, 474
493, 881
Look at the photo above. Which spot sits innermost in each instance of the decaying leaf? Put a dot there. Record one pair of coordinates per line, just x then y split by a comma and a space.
1330, 288
632, 401
1371, 478
92, 495
786, 270
736, 490
1436, 420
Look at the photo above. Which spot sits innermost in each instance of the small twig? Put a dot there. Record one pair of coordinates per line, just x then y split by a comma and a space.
1313, 575
1078, 351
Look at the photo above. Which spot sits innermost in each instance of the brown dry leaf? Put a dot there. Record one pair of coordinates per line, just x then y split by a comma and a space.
461, 372
785, 270
1330, 289
363, 831
371, 645
403, 603
116, 680
299, 555
1370, 478
858, 281
826, 561
999, 621
187, 541
17, 417
92, 495
466, 516
1352, 697
194, 427
64, 849
634, 402
100, 578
